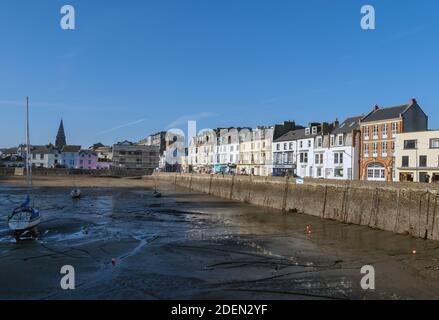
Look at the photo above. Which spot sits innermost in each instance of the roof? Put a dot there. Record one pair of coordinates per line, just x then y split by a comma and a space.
10, 150
125, 143
388, 113
43, 149
13, 159
71, 148
88, 152
293, 135
352, 123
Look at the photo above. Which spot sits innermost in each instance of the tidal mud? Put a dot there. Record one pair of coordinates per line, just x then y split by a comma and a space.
195, 246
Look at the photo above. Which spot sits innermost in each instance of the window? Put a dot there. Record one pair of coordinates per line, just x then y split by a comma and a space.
384, 130
384, 146
307, 131
309, 143
394, 128
376, 171
338, 173
314, 130
332, 140
301, 144
405, 162
366, 149
410, 144
319, 142
291, 146
340, 140
277, 147
319, 158
338, 158
375, 147
319, 172
434, 143
285, 146
423, 161
304, 157
41, 156
366, 133
375, 131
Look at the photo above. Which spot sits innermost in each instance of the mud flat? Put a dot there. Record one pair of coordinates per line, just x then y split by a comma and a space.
196, 246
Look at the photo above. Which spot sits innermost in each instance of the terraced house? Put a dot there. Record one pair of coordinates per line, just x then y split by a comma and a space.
379, 130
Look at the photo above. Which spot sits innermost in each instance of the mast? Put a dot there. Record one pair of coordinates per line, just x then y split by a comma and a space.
28, 151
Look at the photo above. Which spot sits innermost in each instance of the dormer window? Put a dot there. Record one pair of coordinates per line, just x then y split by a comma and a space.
314, 130
307, 131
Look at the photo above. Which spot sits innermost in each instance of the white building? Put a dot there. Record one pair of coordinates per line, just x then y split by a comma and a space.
227, 150
343, 158
45, 156
202, 151
303, 152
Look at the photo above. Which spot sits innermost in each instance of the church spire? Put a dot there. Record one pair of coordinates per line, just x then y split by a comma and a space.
60, 137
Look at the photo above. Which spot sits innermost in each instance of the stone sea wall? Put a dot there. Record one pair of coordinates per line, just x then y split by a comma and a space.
403, 208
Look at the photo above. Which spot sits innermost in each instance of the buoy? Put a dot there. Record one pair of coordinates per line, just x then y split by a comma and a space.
113, 261
413, 252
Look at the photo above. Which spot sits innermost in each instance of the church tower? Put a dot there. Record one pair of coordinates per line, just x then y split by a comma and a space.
60, 137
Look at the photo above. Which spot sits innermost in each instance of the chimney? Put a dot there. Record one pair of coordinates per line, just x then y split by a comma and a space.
336, 123
413, 102
376, 107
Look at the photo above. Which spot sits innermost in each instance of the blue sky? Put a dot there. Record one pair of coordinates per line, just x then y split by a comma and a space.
135, 67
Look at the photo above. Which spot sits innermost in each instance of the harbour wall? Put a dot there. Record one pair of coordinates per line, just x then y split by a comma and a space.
67, 172
403, 208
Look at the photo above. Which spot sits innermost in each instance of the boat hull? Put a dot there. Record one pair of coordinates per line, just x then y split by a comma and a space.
22, 221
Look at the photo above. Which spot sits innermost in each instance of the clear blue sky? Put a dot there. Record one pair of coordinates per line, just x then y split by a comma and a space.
135, 67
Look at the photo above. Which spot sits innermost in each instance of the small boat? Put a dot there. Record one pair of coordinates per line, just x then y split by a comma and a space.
25, 218
76, 193
156, 194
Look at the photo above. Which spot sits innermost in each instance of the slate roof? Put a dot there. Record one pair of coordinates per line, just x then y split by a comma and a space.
380, 114
43, 149
352, 123
294, 135
71, 148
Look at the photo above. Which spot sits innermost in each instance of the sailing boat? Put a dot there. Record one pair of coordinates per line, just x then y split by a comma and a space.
25, 218
76, 193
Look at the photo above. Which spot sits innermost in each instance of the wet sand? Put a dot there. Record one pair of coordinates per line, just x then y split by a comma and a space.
195, 246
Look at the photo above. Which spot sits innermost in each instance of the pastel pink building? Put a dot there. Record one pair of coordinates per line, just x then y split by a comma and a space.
86, 160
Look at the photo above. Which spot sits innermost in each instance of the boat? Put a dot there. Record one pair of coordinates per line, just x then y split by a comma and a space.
25, 218
156, 194
76, 193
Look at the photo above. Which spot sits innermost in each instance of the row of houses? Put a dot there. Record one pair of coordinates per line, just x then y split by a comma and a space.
122, 155
385, 144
